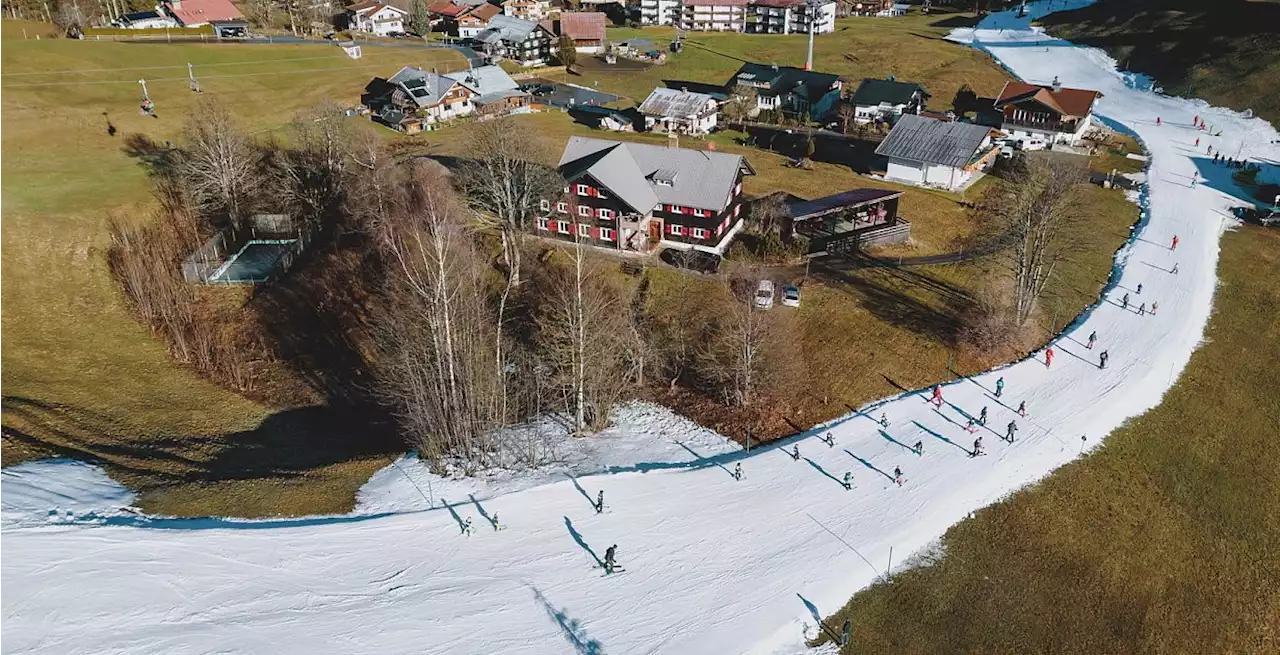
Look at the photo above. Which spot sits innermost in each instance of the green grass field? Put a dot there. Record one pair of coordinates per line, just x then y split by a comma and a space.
1165, 540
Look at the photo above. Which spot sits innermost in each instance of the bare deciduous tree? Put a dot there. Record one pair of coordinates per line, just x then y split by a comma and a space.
741, 102
847, 112
315, 170
220, 163
376, 188
734, 359
1038, 213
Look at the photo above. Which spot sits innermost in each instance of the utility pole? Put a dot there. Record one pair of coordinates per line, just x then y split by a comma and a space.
814, 7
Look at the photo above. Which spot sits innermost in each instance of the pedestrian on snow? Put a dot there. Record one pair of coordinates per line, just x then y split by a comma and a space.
1124, 302
919, 448
977, 447
1093, 338
1198, 142
1102, 359
1196, 120
848, 480
795, 452
937, 395
610, 558
600, 502
1013, 427
1157, 120
1174, 244
1142, 309
1175, 268
466, 527
982, 416
1154, 307
1022, 409
971, 426
1048, 357
1139, 290
737, 471
999, 387
884, 420
1215, 155
897, 475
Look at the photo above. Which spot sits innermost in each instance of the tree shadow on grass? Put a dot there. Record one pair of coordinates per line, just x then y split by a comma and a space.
156, 158
934, 313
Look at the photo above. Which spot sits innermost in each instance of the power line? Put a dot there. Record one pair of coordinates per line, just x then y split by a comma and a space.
186, 79
86, 71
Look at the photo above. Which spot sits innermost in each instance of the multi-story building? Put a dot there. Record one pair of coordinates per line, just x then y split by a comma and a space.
531, 10
660, 12
886, 100
713, 15
790, 17
790, 90
635, 196
524, 42
1040, 116
679, 111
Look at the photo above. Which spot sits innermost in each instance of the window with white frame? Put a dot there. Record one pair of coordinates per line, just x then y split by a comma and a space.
583, 190
601, 194
566, 189
584, 210
584, 230
606, 214
542, 223
699, 233
546, 205
562, 227
562, 207
699, 213
676, 229
606, 233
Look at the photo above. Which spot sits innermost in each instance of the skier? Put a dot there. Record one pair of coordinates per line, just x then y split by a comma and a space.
496, 526
848, 481
737, 471
1154, 307
1124, 302
1093, 338
1022, 409
1195, 177
1197, 142
610, 563
982, 416
831, 441
1102, 359
1215, 155
971, 426
999, 387
1174, 244
1196, 120
1139, 290
977, 447
466, 527
897, 475
884, 420
919, 448
795, 452
1158, 120
1048, 357
1013, 427
1175, 268
1142, 309
937, 395
600, 502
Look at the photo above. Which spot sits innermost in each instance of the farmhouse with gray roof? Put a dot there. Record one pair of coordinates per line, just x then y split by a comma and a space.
685, 112
636, 196
522, 41
930, 152
886, 100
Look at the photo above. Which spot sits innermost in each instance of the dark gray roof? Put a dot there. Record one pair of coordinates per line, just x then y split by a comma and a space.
699, 178
670, 103
873, 92
507, 28
424, 88
784, 80
928, 140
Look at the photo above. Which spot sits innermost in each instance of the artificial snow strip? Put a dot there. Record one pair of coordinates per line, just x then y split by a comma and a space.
716, 563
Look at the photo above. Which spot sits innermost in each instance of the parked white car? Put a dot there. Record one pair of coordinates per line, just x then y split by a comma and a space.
791, 295
764, 294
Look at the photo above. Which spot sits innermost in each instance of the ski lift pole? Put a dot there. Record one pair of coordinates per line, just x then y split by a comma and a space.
145, 96
191, 75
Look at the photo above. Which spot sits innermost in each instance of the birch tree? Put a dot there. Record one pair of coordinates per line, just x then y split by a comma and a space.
734, 359
219, 163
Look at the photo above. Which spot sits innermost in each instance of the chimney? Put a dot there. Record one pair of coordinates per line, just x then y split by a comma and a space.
1057, 86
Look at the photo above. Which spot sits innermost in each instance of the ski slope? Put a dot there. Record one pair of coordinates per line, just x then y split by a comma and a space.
713, 564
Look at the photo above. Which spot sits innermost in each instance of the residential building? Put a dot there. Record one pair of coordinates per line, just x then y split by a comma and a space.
886, 100
141, 20
790, 17
868, 7
660, 12
375, 17
1038, 116
223, 16
586, 28
413, 95
476, 20
531, 10
713, 15
445, 14
930, 152
679, 111
635, 196
791, 90
495, 93
524, 42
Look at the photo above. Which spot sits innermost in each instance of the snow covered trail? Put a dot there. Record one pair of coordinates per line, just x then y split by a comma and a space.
714, 565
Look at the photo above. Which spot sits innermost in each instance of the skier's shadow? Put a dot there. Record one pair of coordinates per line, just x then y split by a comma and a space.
699, 457
817, 616
1159, 268
462, 525
824, 472
890, 439
957, 424
581, 542
483, 513
581, 490
938, 436
1061, 349
869, 465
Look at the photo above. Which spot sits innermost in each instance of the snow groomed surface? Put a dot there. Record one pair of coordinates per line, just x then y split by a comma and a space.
714, 564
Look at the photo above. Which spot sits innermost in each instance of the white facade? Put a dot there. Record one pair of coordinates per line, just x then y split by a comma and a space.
921, 174
447, 111
1033, 139
881, 112
660, 12
534, 10
383, 22
713, 17
769, 18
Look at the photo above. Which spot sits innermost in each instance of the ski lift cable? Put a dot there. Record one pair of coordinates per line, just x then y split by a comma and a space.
185, 79
87, 71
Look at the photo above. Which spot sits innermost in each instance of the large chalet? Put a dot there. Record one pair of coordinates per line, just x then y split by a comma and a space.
1040, 116
635, 196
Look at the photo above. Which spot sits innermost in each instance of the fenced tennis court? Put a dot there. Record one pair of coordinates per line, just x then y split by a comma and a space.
258, 261
268, 245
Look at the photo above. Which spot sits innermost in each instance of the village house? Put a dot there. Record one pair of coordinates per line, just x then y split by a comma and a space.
586, 28
494, 93
635, 196
790, 17
476, 20
531, 10
679, 111
713, 15
221, 15
1039, 116
660, 12
872, 7
791, 90
445, 14
885, 100
929, 152
142, 20
525, 42
375, 17
414, 98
